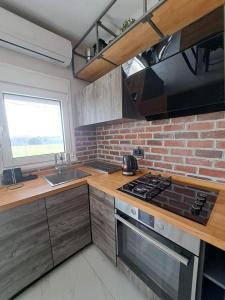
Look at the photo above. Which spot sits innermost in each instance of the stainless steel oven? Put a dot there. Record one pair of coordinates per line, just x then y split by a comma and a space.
164, 257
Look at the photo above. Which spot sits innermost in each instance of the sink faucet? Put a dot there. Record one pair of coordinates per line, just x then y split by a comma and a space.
62, 161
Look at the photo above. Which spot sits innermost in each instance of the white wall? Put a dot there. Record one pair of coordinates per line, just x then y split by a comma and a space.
25, 61
20, 60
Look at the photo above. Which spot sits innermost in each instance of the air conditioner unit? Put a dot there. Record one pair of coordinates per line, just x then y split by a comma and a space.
23, 36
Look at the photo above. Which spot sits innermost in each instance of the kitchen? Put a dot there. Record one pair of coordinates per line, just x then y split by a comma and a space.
112, 150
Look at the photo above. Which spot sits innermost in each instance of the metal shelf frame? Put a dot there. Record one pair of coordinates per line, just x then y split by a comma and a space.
146, 17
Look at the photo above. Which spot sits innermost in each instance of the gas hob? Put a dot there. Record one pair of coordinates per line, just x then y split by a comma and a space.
187, 201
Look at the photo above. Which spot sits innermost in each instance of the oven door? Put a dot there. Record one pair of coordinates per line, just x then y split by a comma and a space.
169, 270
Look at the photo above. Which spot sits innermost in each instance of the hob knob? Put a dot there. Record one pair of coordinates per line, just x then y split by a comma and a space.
201, 199
199, 202
202, 195
195, 209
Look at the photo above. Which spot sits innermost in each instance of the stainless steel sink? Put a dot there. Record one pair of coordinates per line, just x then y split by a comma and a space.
65, 176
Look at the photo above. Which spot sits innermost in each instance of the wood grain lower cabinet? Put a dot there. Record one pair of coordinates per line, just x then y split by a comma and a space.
69, 222
25, 250
103, 222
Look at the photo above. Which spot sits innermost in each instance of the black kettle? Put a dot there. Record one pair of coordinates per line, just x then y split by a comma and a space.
130, 165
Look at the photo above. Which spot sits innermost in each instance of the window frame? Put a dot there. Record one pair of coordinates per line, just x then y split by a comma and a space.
64, 97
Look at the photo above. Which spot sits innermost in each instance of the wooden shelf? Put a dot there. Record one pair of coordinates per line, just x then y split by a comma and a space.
134, 42
95, 69
215, 266
170, 17
177, 14
213, 22
211, 291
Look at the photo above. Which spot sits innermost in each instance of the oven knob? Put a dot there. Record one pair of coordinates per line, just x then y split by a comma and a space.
160, 227
195, 209
133, 211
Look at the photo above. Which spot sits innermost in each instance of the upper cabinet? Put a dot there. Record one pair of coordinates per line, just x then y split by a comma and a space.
108, 96
103, 100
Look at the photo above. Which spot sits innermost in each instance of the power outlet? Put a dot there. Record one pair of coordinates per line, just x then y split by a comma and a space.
138, 153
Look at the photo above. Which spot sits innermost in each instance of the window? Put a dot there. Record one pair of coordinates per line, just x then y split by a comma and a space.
35, 125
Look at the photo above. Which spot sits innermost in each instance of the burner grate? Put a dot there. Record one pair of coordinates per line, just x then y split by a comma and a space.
184, 200
147, 187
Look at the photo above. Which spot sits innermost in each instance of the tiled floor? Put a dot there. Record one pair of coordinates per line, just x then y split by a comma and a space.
87, 275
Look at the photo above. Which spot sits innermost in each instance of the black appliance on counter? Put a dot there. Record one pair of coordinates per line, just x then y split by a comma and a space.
14, 175
129, 165
180, 83
189, 202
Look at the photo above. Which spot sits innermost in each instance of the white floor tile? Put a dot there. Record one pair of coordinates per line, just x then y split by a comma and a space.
89, 275
116, 282
73, 280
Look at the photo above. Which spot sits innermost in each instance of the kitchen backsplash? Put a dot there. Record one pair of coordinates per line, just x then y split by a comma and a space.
86, 143
192, 146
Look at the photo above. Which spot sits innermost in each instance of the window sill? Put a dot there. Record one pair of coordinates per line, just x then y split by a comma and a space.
41, 167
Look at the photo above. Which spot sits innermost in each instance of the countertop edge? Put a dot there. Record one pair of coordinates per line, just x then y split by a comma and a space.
109, 183
165, 215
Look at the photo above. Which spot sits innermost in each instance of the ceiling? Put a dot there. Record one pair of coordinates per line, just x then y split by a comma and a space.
71, 18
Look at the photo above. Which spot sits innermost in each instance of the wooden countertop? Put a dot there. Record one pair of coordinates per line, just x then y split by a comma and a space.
37, 189
213, 233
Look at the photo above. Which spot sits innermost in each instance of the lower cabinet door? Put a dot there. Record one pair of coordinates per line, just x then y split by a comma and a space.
103, 222
69, 222
25, 251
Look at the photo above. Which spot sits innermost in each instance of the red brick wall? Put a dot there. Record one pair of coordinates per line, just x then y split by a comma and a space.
86, 145
192, 146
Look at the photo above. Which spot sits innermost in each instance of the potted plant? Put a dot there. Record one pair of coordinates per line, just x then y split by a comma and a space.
126, 24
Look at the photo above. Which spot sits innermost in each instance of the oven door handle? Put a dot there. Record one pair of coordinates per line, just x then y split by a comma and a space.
159, 245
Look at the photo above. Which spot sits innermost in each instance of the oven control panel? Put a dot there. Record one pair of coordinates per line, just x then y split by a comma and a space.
145, 218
